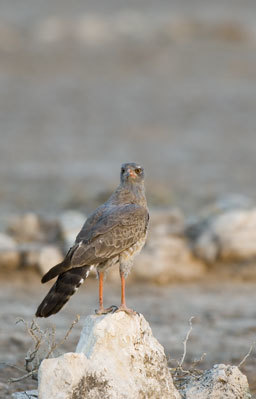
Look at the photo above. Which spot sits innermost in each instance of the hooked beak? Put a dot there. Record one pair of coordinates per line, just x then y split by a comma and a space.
131, 173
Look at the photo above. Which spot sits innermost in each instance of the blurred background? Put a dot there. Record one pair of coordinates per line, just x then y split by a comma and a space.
86, 86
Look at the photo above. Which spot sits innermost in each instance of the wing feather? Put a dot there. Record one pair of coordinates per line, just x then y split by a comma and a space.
117, 229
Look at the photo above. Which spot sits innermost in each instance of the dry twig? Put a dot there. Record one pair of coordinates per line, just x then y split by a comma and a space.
185, 343
247, 355
56, 345
23, 377
38, 353
179, 374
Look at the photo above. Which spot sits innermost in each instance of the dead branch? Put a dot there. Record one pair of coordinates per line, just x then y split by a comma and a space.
181, 376
247, 355
185, 343
56, 345
23, 377
37, 353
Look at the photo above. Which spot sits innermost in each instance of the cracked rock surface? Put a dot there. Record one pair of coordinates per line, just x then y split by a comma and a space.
117, 357
220, 382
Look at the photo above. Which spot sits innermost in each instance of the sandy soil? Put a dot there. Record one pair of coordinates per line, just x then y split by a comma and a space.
224, 325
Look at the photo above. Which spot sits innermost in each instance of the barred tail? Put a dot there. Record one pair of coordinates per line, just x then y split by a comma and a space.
65, 286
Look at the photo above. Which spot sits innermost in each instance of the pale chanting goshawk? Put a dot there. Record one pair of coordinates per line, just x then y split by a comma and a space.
115, 232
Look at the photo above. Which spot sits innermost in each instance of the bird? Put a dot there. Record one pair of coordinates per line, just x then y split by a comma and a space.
114, 233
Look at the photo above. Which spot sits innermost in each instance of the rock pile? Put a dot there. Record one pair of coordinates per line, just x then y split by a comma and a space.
228, 236
32, 228
176, 249
38, 243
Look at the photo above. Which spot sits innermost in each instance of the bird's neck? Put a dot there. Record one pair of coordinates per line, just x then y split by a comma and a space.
130, 193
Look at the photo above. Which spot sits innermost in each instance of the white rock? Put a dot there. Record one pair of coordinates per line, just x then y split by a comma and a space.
31, 257
26, 228
49, 256
59, 377
229, 236
166, 259
43, 258
170, 221
30, 228
217, 383
9, 254
118, 359
71, 223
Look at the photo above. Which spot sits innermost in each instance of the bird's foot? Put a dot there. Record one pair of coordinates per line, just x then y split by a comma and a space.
123, 308
102, 310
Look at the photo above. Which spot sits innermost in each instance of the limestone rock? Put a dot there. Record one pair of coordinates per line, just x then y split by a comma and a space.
167, 221
30, 227
219, 382
167, 259
64, 374
230, 236
43, 258
9, 254
124, 346
71, 223
117, 358
49, 256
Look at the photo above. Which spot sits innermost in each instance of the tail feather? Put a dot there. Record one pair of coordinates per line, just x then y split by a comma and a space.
60, 267
65, 286
55, 271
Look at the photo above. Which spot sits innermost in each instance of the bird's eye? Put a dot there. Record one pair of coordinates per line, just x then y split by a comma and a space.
138, 171
122, 170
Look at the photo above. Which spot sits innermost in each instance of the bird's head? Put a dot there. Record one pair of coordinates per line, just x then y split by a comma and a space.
132, 172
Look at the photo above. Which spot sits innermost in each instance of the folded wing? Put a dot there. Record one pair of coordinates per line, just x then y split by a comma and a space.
115, 230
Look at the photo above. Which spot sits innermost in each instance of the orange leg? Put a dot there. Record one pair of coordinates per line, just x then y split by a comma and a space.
101, 276
123, 306
123, 303
101, 309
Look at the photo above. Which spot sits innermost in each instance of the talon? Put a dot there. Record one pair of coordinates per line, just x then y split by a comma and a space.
111, 309
123, 308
